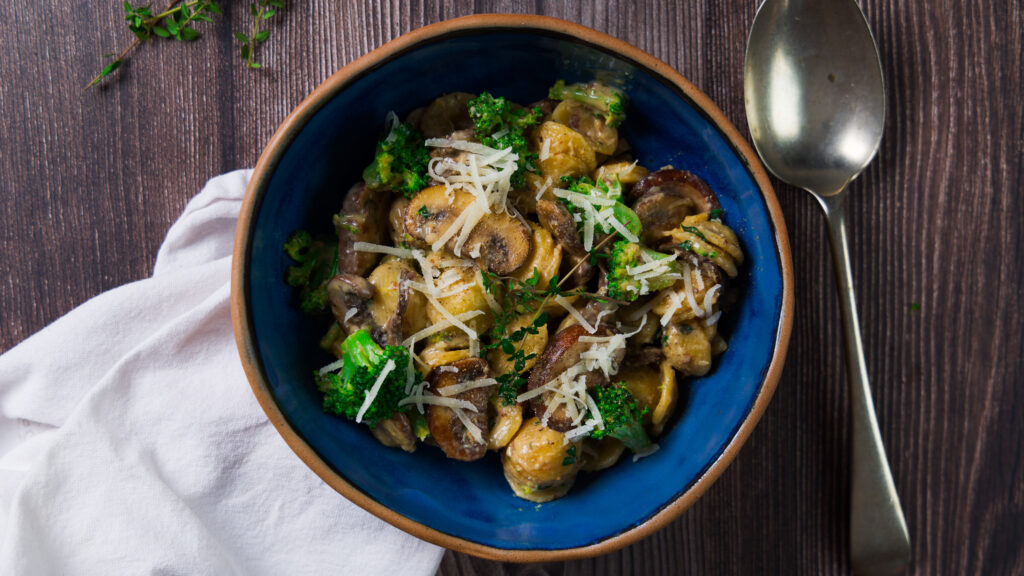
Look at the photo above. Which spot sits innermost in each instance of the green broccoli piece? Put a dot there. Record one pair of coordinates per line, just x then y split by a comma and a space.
317, 262
603, 189
608, 191
364, 360
624, 286
400, 163
623, 419
609, 102
499, 124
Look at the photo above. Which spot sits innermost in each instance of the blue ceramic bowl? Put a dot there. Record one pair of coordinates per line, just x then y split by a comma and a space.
321, 150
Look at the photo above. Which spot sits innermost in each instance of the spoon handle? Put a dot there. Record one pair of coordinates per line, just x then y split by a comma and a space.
879, 542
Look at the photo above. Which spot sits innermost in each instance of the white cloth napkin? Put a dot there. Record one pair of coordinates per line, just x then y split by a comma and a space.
131, 443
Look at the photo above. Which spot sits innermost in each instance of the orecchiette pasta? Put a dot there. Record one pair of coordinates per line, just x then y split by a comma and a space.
495, 284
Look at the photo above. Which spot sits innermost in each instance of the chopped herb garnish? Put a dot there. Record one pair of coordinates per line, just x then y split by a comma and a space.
570, 456
695, 231
716, 214
423, 212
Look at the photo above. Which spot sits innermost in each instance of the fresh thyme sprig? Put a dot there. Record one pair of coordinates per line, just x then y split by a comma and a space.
177, 21
260, 11
517, 298
174, 22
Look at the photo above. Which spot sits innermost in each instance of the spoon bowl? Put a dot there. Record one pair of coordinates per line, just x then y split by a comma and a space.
815, 97
815, 101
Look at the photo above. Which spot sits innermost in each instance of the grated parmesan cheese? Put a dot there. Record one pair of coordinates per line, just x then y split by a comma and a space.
381, 249
372, 394
464, 386
545, 150
547, 183
561, 301
473, 429
425, 397
349, 314
336, 365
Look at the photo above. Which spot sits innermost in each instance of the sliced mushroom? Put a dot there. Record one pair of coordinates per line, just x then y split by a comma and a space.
446, 428
665, 198
583, 119
557, 219
395, 432
563, 352
347, 292
500, 241
363, 218
445, 115
452, 155
539, 464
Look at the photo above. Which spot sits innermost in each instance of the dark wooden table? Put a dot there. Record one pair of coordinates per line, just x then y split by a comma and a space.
90, 182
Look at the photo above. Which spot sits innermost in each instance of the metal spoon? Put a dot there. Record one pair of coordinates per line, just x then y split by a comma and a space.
816, 109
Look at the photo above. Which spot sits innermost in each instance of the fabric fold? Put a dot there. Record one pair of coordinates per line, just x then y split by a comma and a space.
130, 441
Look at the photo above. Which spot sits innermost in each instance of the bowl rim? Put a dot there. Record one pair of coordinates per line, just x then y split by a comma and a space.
297, 119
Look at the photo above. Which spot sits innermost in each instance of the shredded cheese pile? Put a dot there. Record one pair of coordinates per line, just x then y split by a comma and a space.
651, 268
704, 309
484, 172
570, 387
598, 215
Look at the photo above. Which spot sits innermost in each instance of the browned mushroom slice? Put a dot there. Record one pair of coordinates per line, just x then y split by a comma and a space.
363, 218
500, 242
666, 197
563, 352
349, 296
557, 219
395, 432
454, 155
681, 182
446, 428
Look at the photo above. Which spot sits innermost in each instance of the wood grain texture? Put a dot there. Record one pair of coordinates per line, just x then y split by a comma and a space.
91, 181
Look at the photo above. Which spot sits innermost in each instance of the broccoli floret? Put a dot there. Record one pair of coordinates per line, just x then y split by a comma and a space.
603, 189
624, 286
317, 262
609, 102
364, 360
498, 124
607, 191
623, 419
400, 163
